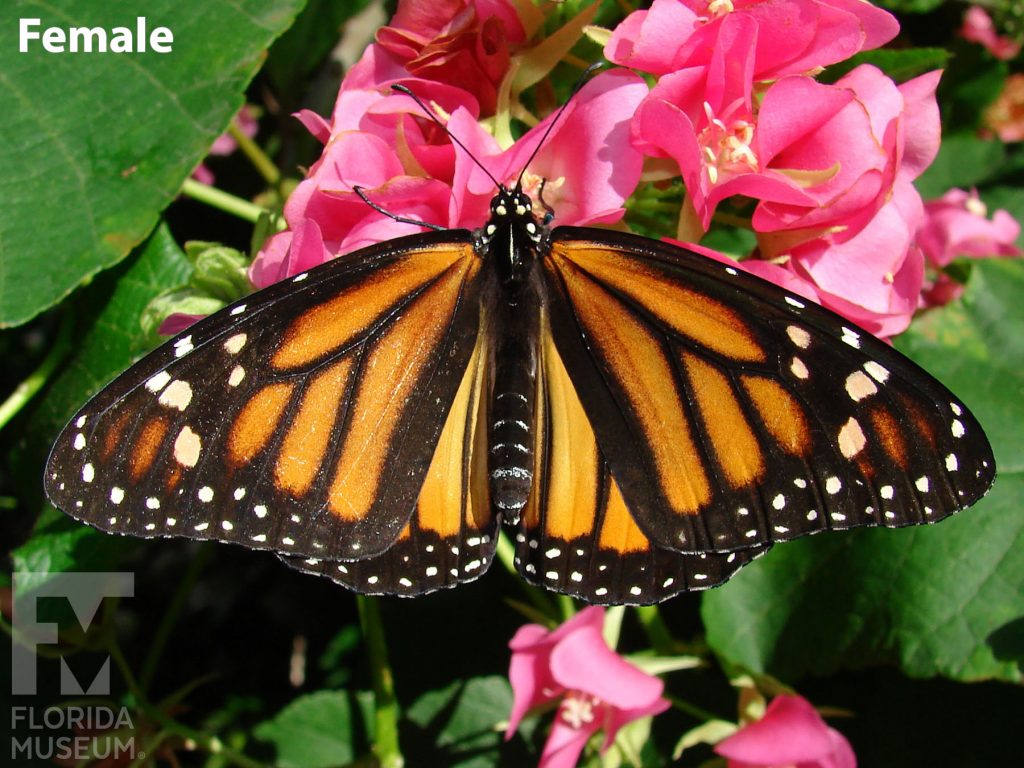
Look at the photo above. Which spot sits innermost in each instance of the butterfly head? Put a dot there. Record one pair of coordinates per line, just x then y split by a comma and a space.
512, 236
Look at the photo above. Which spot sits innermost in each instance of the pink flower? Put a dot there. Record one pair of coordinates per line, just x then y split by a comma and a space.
873, 274
791, 733
978, 28
588, 162
791, 37
462, 42
831, 165
957, 225
855, 240
704, 118
594, 687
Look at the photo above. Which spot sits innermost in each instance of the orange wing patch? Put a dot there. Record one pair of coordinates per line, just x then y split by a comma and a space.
735, 446
146, 446
329, 326
781, 414
454, 494
706, 321
577, 536
309, 435
256, 422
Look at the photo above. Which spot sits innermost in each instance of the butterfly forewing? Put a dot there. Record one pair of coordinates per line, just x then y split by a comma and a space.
576, 535
733, 414
302, 419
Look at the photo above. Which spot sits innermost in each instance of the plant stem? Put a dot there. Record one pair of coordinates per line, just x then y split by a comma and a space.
506, 552
35, 381
223, 201
207, 742
385, 745
661, 639
691, 709
255, 154
170, 617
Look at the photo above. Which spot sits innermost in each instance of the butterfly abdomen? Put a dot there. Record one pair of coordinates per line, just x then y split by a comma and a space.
513, 396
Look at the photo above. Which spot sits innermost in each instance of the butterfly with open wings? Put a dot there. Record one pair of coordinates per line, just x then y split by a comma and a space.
645, 420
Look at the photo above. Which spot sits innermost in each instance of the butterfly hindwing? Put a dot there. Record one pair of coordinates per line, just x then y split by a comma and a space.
576, 535
301, 419
452, 535
733, 414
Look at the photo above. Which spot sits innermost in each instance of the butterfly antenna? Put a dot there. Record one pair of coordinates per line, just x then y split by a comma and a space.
558, 116
430, 113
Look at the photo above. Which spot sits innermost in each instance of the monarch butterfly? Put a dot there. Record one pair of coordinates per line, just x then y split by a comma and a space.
646, 420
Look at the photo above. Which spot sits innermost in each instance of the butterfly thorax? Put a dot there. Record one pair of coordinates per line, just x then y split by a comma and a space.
511, 237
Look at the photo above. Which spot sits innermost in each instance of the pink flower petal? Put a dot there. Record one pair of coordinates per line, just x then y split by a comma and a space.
790, 733
583, 661
565, 743
177, 322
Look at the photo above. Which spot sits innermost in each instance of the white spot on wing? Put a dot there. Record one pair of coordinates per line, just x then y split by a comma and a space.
851, 438
88, 473
876, 371
859, 386
158, 382
116, 495
183, 346
236, 376
177, 395
235, 343
187, 447
799, 336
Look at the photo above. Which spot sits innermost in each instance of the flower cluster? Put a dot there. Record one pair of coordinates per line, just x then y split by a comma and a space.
825, 170
458, 63
594, 689
829, 166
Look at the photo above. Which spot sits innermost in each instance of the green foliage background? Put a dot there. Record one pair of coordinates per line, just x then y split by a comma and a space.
905, 629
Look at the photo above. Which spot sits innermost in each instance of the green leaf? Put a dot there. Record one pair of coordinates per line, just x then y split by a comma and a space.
901, 65
97, 144
963, 161
297, 53
461, 718
115, 337
314, 731
109, 337
936, 600
969, 87
59, 544
910, 6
